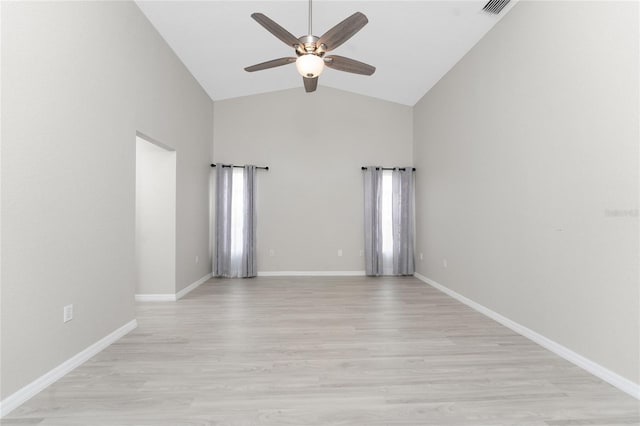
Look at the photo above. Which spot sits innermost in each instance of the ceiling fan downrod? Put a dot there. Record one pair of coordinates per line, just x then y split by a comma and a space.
310, 18
308, 44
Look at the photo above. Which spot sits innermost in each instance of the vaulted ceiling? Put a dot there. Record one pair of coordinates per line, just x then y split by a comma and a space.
411, 43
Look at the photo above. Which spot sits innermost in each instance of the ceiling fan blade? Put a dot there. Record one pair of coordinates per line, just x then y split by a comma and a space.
341, 63
270, 64
343, 31
310, 84
275, 29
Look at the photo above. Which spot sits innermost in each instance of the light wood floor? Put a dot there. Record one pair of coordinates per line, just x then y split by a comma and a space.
324, 351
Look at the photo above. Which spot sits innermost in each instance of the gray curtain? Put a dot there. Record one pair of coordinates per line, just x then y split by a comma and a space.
226, 263
402, 217
372, 221
222, 246
248, 267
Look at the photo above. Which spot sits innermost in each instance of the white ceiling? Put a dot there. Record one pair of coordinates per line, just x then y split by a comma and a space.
411, 43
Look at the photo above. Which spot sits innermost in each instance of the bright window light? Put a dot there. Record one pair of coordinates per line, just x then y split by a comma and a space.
387, 222
237, 209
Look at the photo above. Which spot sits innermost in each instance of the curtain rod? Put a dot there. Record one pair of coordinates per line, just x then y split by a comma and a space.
229, 165
389, 168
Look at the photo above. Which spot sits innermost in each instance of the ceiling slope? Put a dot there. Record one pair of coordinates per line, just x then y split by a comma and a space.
412, 44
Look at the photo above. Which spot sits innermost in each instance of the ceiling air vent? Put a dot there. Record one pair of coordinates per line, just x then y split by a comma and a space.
495, 6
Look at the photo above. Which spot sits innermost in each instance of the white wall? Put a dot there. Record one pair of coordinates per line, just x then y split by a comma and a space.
78, 80
527, 151
310, 201
155, 219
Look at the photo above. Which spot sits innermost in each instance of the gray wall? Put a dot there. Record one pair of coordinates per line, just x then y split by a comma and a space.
78, 81
527, 155
310, 201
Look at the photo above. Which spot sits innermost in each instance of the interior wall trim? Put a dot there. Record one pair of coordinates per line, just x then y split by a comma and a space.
21, 396
155, 297
590, 366
188, 289
168, 297
311, 273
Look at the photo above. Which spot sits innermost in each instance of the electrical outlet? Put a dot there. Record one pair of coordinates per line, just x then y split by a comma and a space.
67, 313
339, 252
361, 253
421, 256
445, 263
197, 259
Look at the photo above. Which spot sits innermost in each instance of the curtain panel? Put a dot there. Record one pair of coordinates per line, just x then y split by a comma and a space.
222, 252
402, 219
373, 221
248, 264
388, 221
228, 261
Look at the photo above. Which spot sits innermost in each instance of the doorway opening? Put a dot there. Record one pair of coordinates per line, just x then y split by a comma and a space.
155, 224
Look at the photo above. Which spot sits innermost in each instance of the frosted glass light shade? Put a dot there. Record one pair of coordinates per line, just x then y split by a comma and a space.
309, 65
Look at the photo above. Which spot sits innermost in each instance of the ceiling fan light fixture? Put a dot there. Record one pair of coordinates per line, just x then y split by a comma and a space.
310, 65
311, 49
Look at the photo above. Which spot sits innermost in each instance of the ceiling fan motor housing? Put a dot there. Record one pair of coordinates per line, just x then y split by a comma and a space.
309, 45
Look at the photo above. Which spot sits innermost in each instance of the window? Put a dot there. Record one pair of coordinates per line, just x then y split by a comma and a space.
388, 221
235, 242
386, 217
237, 220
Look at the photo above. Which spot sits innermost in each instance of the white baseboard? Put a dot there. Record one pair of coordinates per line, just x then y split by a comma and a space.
311, 273
592, 367
168, 297
191, 287
155, 297
16, 399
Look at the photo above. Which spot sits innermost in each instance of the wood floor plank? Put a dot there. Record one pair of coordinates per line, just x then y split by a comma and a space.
324, 351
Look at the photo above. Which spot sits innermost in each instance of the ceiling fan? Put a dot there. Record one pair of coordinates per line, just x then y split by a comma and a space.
310, 50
